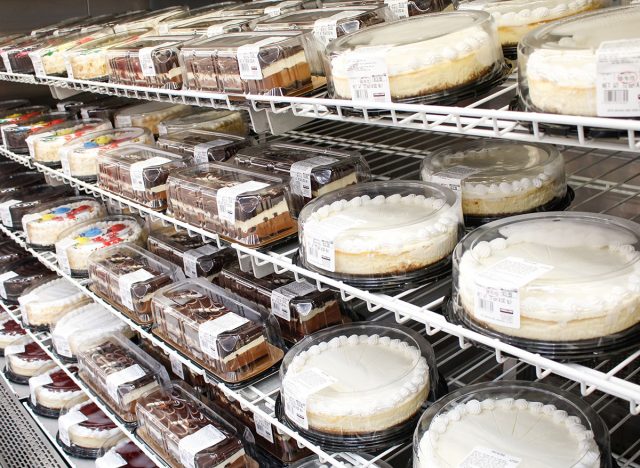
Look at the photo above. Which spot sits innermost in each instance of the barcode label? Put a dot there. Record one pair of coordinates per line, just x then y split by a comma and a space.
38, 67
176, 365
452, 178
618, 78
481, 457
248, 60
125, 286
208, 332
298, 389
67, 65
617, 96
399, 8
5, 277
137, 169
368, 78
5, 212
300, 173
263, 427
226, 198
145, 56
281, 297
326, 29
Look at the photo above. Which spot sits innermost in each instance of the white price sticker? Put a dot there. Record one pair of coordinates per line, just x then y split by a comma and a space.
176, 365
111, 459
208, 332
399, 8
6, 61
618, 78
190, 258
226, 198
481, 457
300, 173
136, 171
248, 60
145, 56
61, 344
61, 253
298, 389
4, 278
215, 30
191, 445
29, 142
325, 30
319, 248
452, 178
67, 65
38, 67
281, 297
276, 10
3, 129
64, 162
263, 427
115, 380
84, 113
123, 121
497, 298
65, 422
368, 78
37, 382
125, 285
23, 301
13, 349
201, 150
5, 212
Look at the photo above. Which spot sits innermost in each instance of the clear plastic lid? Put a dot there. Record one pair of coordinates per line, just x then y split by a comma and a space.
149, 115
15, 136
19, 115
213, 120
10, 331
120, 373
576, 275
15, 55
127, 275
213, 327
88, 325
558, 68
50, 29
185, 432
298, 306
76, 244
498, 178
17, 276
548, 427
43, 225
349, 460
212, 25
25, 358
153, 19
9, 104
399, 9
18, 181
139, 173
248, 207
79, 157
44, 303
263, 7
17, 204
254, 63
367, 381
450, 51
44, 144
106, 108
51, 390
10, 251
203, 145
379, 230
313, 171
125, 453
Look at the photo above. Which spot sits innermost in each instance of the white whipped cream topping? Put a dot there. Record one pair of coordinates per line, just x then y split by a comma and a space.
573, 68
57, 292
522, 12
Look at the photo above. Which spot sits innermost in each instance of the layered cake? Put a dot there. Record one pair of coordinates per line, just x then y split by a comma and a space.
79, 157
46, 303
203, 145
42, 228
15, 137
380, 229
84, 429
363, 383
251, 208
558, 65
498, 178
127, 276
76, 244
45, 144
139, 173
10, 332
577, 276
52, 390
21, 202
18, 276
25, 359
86, 326
125, 454
148, 115
298, 306
416, 57
233, 122
184, 432
210, 325
120, 373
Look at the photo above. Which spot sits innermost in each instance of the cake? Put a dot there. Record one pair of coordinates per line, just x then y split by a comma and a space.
10, 332
148, 115
207, 120
120, 373
28, 200
45, 304
203, 145
43, 227
418, 56
577, 276
15, 136
509, 432
18, 276
19, 181
52, 390
362, 384
10, 251
75, 245
84, 429
125, 454
374, 231
26, 359
499, 178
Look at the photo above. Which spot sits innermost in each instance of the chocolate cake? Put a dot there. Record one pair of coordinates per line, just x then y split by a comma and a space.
19, 275
20, 180
10, 252
203, 145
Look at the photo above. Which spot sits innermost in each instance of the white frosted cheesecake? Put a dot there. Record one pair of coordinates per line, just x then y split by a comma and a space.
86, 427
53, 389
46, 303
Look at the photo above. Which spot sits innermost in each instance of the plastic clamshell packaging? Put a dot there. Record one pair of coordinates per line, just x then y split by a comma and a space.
16, 54
249, 63
17, 276
262, 7
126, 453
213, 26
44, 144
499, 178
365, 382
10, 331
153, 19
574, 279
10, 251
18, 181
10, 117
399, 9
106, 108
185, 432
14, 137
16, 205
175, 368
139, 173
348, 458
149, 114
234, 122
53, 29
150, 61
120, 373
313, 171
9, 104
25, 358
298, 306
568, 67
248, 207
203, 145
44, 303
195, 257
127, 276
550, 427
79, 157
429, 56
76, 244
43, 226
51, 390
211, 325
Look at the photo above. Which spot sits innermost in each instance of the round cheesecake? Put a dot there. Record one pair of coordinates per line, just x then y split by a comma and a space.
52, 390
93, 430
28, 362
45, 304
10, 331
125, 454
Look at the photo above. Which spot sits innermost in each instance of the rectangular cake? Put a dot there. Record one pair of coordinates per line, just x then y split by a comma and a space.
203, 145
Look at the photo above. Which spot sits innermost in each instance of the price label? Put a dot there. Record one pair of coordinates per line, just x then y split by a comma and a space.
399, 8
125, 286
248, 60
24, 301
111, 459
65, 422
64, 162
3, 129
201, 150
453, 178
6, 61
226, 198
281, 297
37, 382
116, 379
300, 173
38, 67
618, 78
67, 65
215, 30
136, 171
61, 343
325, 30
5, 212
13, 349
368, 78
191, 257
147, 65
3, 279
298, 389
61, 253
208, 332
482, 457
263, 427
191, 445
123, 121
319, 244
176, 365
29, 142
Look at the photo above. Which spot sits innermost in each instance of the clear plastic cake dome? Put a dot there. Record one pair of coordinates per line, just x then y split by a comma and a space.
547, 428
348, 459
499, 178
380, 235
569, 67
561, 284
351, 387
421, 59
